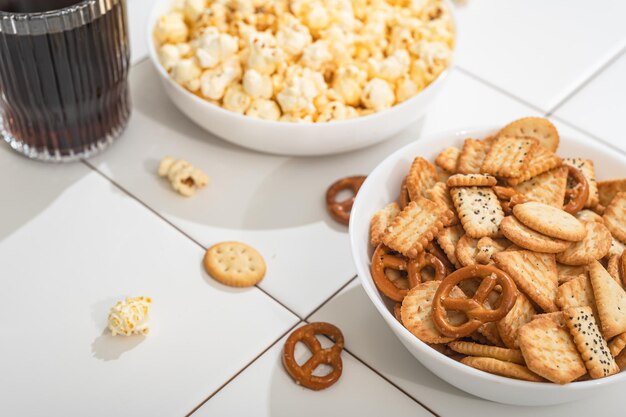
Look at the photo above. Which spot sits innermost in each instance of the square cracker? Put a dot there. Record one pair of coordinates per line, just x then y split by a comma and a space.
448, 159
586, 168
415, 226
521, 313
549, 350
448, 238
615, 217
576, 293
479, 210
422, 176
380, 220
610, 301
472, 156
589, 342
607, 190
509, 156
534, 273
542, 160
440, 194
548, 187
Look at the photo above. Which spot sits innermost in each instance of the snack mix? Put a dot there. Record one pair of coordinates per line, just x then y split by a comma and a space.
130, 316
508, 258
305, 60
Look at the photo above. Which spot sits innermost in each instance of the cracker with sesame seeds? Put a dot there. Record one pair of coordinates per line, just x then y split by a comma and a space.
585, 166
522, 312
509, 156
607, 190
471, 180
415, 226
472, 156
527, 238
595, 245
380, 220
534, 273
587, 215
576, 292
610, 301
422, 176
448, 239
466, 250
535, 127
549, 350
617, 344
589, 342
479, 210
502, 368
548, 187
440, 194
550, 221
448, 159
416, 312
615, 216
495, 352
542, 161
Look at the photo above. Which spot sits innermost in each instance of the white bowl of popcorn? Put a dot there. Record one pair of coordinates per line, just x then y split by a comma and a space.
300, 77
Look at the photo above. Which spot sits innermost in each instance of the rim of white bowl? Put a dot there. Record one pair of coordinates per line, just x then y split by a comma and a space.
372, 292
154, 15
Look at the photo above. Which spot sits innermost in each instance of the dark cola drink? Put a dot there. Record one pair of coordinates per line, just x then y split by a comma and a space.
63, 76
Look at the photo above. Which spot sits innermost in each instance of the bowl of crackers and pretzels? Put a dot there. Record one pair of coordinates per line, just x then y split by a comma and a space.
496, 256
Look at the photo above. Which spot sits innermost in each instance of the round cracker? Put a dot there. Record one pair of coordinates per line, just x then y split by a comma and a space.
534, 127
416, 312
527, 238
550, 221
235, 264
587, 215
594, 246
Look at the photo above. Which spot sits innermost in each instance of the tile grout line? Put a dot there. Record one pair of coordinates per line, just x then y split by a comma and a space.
329, 298
587, 81
591, 135
232, 378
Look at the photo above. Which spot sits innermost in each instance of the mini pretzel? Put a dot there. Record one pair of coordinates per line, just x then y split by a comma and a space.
303, 374
474, 308
383, 259
340, 210
577, 195
425, 260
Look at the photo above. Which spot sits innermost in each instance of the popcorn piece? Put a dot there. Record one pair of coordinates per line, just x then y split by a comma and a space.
235, 99
393, 67
336, 110
130, 316
293, 37
256, 84
349, 83
316, 55
192, 9
171, 28
169, 56
214, 82
378, 95
263, 56
183, 177
213, 47
302, 88
405, 89
263, 109
187, 73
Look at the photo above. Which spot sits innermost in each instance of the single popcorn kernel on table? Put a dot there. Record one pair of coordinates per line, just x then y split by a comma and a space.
183, 176
130, 316
305, 60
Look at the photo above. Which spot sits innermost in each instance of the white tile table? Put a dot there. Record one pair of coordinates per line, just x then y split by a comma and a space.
75, 238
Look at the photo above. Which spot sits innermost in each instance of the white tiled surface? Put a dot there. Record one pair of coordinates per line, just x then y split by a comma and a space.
72, 242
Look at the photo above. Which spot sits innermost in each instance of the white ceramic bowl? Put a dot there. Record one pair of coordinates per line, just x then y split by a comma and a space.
380, 188
292, 138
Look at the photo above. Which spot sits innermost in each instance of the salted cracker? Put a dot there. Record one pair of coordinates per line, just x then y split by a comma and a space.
529, 239
448, 159
548, 187
472, 156
502, 368
595, 245
585, 166
440, 194
486, 247
534, 274
509, 156
535, 127
576, 292
569, 272
415, 226
495, 352
587, 215
607, 190
615, 216
541, 161
508, 326
550, 221
471, 180
422, 176
448, 238
380, 220
466, 250
610, 301
549, 350
478, 209
235, 264
617, 344
490, 331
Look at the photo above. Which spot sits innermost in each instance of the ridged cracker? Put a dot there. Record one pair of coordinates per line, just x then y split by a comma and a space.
466, 250
502, 368
615, 216
471, 180
527, 238
416, 312
536, 127
586, 167
422, 176
235, 264
440, 194
542, 161
576, 293
448, 159
610, 301
479, 210
587, 215
495, 352
549, 350
550, 221
612, 267
534, 273
548, 188
448, 238
521, 313
415, 226
381, 220
607, 190
617, 344
472, 156
595, 245
509, 156
589, 342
